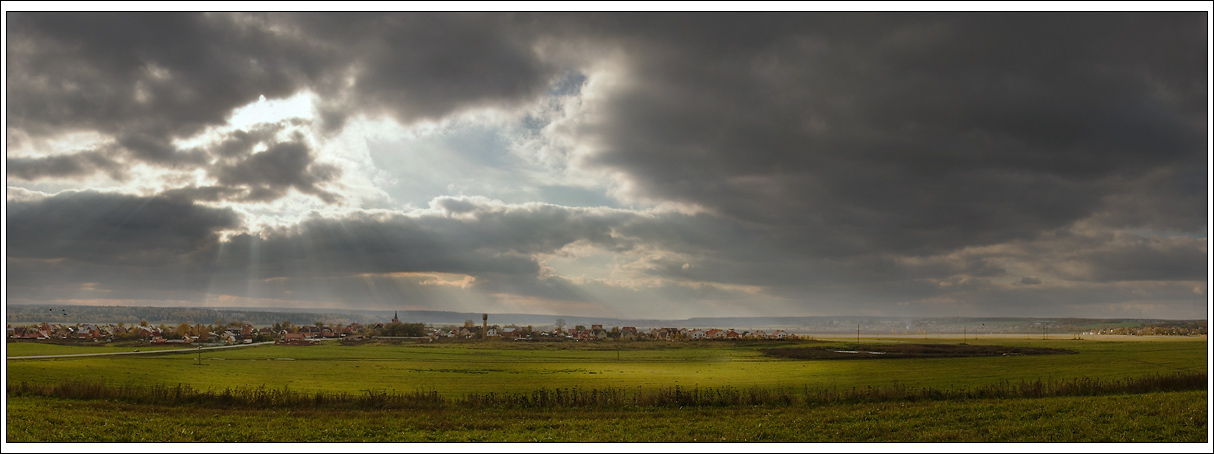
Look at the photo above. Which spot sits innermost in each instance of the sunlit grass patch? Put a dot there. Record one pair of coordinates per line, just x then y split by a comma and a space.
457, 369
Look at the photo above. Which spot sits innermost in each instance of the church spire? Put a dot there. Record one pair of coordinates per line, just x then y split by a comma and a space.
395, 318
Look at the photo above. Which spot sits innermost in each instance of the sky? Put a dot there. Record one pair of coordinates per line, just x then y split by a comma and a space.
634, 165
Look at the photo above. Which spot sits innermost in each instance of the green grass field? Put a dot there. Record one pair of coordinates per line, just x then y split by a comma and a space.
463, 368
454, 369
39, 349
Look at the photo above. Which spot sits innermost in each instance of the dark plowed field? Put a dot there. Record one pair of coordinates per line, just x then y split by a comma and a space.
891, 351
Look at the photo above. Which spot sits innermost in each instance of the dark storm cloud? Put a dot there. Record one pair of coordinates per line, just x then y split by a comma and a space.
1145, 259
454, 205
915, 134
143, 79
332, 247
198, 67
113, 228
820, 120
418, 66
80, 164
1163, 199
241, 143
148, 78
202, 193
752, 256
241, 173
269, 174
245, 173
157, 149
148, 246
166, 248
1027, 280
482, 240
124, 242
857, 161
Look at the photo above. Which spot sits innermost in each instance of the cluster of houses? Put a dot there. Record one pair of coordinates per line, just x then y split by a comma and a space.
308, 332
47, 331
246, 333
597, 332
1152, 331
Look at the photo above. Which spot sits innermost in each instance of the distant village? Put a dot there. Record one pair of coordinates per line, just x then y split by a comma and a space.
289, 333
1152, 330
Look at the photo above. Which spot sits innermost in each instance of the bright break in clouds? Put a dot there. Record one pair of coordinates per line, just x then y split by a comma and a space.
638, 165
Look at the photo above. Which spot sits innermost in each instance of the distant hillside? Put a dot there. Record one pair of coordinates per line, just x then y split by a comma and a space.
21, 314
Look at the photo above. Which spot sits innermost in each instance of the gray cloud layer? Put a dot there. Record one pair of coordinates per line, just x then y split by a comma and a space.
172, 246
150, 77
70, 165
990, 161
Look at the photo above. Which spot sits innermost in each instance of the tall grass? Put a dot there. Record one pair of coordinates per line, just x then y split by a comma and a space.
262, 397
251, 397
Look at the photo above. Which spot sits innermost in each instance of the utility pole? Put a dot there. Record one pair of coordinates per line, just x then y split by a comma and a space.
963, 334
857, 334
199, 355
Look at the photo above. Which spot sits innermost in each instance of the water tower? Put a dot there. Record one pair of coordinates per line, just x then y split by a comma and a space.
484, 325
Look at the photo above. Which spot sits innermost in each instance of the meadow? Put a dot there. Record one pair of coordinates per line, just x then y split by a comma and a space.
452, 370
459, 368
1157, 417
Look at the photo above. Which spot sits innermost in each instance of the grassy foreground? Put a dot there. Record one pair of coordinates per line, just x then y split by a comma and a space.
1154, 417
897, 411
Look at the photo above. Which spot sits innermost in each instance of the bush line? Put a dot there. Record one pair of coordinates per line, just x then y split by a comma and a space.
262, 397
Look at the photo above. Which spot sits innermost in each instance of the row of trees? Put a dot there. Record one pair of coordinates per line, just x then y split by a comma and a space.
401, 330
